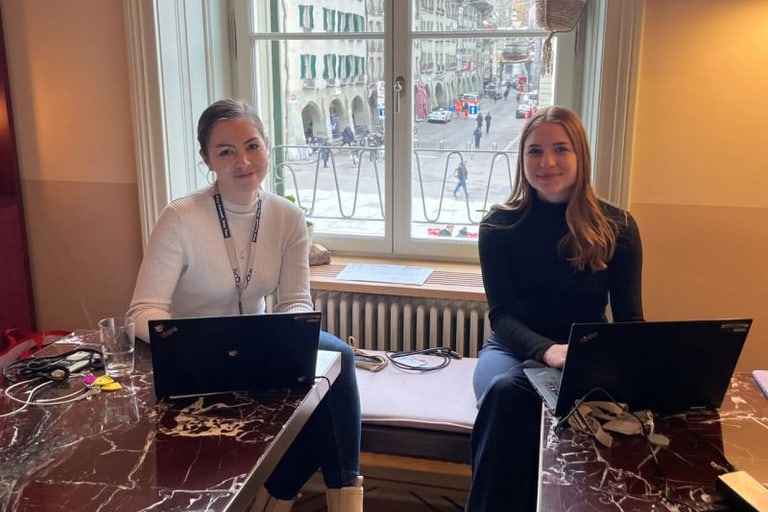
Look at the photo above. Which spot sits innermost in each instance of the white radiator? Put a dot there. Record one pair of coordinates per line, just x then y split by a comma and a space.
381, 322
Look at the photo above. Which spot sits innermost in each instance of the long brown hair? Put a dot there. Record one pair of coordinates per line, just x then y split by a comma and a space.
591, 238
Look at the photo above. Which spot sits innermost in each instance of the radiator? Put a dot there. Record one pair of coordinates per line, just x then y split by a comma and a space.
382, 322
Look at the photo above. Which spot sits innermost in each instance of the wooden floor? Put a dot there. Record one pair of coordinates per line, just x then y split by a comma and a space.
399, 484
379, 499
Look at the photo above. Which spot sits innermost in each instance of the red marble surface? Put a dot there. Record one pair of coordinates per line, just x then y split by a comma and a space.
580, 475
123, 451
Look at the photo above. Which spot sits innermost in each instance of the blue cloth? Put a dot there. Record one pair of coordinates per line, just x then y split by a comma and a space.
331, 438
462, 183
505, 438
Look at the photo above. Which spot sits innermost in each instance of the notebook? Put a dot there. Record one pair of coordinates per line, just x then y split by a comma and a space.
206, 355
761, 379
662, 366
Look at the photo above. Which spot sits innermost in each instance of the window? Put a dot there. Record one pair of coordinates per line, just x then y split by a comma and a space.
391, 193
372, 198
306, 17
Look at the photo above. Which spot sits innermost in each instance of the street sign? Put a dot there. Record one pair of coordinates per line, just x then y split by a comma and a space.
381, 113
473, 110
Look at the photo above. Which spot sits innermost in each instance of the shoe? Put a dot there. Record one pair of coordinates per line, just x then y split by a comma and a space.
346, 499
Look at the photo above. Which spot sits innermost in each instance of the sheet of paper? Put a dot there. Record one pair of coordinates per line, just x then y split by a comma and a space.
761, 378
381, 273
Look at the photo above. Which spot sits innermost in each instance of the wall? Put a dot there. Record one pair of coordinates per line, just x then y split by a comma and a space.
699, 185
698, 188
71, 100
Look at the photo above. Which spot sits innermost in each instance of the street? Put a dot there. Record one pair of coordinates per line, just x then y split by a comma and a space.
347, 196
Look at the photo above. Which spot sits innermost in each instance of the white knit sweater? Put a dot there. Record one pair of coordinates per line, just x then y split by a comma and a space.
186, 271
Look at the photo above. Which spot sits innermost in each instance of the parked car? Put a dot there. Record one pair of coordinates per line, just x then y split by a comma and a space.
439, 115
522, 109
494, 91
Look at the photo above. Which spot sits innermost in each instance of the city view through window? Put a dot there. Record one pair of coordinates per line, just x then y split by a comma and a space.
449, 119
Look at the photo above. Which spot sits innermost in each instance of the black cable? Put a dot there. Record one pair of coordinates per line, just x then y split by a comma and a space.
718, 449
326, 379
444, 353
54, 368
564, 420
645, 434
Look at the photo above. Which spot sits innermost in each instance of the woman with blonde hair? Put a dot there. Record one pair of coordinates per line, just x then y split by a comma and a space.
552, 255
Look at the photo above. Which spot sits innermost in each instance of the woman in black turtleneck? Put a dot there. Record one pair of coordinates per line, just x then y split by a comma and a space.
551, 255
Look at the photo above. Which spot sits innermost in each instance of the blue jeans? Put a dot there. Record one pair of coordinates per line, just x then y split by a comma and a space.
505, 438
330, 440
461, 184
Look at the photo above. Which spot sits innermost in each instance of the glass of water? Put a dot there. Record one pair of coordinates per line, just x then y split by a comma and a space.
117, 344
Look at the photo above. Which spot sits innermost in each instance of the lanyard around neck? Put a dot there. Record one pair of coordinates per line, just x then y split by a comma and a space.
230, 246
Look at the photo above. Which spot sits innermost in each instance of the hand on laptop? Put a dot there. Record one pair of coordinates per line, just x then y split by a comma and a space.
555, 355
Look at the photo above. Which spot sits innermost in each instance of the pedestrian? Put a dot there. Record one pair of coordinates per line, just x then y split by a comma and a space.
457, 108
347, 137
465, 109
478, 134
460, 173
325, 153
506, 92
183, 273
551, 255
479, 120
487, 123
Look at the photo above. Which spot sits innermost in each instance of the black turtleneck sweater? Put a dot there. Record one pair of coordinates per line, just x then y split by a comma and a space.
534, 294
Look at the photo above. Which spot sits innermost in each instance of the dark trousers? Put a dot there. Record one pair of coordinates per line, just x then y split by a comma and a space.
505, 438
330, 440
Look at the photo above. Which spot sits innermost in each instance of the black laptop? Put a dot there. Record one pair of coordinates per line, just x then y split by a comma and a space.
206, 355
666, 367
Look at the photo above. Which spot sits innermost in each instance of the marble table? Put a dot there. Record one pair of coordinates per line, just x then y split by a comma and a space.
123, 451
578, 474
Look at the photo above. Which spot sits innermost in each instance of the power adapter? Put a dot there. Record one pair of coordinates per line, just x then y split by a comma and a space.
743, 492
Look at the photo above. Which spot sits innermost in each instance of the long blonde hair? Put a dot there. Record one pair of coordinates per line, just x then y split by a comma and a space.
591, 238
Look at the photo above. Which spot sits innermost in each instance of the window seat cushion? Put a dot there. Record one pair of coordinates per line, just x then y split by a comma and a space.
419, 414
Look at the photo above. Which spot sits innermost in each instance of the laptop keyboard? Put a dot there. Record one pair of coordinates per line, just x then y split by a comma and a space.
553, 386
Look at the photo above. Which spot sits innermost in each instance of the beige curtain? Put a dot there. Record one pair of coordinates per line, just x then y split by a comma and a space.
556, 16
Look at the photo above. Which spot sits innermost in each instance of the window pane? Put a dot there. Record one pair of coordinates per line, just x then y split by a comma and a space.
469, 106
319, 69
473, 15
328, 131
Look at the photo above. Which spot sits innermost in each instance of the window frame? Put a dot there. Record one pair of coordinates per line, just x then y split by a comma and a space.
183, 55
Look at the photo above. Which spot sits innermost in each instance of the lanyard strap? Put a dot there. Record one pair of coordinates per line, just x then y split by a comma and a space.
229, 244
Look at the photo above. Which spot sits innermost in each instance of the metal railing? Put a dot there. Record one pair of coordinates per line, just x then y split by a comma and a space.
339, 182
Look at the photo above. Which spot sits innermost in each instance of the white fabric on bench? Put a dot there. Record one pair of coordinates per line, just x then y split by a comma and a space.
440, 400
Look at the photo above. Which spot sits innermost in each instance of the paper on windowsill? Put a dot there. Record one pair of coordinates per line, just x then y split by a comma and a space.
380, 273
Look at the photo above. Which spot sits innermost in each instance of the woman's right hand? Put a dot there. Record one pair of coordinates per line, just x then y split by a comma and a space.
554, 356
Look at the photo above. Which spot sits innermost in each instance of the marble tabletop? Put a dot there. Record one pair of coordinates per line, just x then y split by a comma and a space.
124, 451
579, 475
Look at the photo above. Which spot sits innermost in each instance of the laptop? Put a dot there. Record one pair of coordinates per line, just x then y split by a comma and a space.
666, 367
208, 355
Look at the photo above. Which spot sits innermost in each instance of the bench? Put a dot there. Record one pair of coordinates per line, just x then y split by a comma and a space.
417, 425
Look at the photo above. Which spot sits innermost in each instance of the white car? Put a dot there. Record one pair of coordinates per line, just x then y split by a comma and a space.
439, 115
